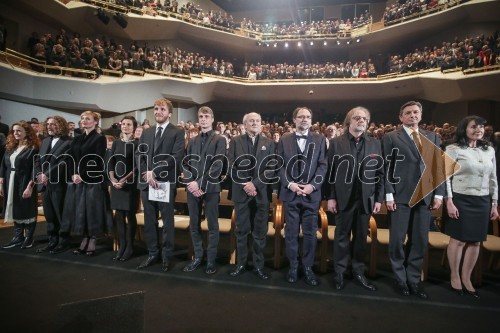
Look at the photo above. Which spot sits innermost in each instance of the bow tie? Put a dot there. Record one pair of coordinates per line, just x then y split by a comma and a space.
298, 137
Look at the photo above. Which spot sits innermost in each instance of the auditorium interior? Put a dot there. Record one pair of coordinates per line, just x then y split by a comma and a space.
68, 293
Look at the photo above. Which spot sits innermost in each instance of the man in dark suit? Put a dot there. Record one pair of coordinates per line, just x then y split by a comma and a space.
408, 205
355, 191
301, 177
251, 191
159, 154
51, 175
202, 170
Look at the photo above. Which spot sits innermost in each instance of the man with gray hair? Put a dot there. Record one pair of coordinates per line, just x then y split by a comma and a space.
355, 191
250, 158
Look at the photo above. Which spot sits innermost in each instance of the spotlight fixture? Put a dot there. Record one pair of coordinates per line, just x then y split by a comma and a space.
312, 43
348, 42
286, 44
259, 43
338, 42
358, 40
325, 43
299, 44
275, 45
120, 20
101, 15
267, 44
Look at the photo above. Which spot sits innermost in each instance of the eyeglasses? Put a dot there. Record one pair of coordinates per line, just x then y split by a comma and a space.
358, 118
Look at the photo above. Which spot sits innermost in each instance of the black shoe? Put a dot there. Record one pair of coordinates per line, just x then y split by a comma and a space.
148, 262
63, 246
403, 289
309, 276
28, 242
291, 276
364, 282
50, 247
210, 269
193, 264
238, 270
261, 274
473, 293
415, 290
165, 266
460, 291
339, 281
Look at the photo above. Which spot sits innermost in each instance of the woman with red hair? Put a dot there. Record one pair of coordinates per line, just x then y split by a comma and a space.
17, 185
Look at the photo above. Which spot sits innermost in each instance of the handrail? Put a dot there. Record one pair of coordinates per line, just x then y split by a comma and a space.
22, 55
134, 72
424, 13
480, 69
110, 71
177, 75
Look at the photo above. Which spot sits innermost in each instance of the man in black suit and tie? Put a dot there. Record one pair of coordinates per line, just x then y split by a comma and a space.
251, 191
301, 177
202, 170
355, 191
159, 155
404, 149
51, 175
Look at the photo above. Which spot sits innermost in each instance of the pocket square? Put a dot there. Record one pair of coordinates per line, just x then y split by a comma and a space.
263, 148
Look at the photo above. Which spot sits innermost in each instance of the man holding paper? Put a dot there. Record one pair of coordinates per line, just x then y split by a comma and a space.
159, 154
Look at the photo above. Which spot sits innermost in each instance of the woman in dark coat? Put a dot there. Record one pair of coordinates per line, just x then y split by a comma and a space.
17, 184
124, 193
86, 207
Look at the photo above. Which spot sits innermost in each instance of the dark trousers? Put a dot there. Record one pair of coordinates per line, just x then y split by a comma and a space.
53, 204
352, 219
251, 217
301, 212
151, 210
211, 201
414, 222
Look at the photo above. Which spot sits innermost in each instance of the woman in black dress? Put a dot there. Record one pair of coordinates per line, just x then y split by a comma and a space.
124, 193
471, 202
17, 185
86, 207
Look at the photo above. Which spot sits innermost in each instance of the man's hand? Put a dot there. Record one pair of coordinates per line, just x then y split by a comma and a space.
332, 206
41, 178
306, 189
76, 179
193, 187
436, 203
250, 189
391, 206
376, 207
149, 177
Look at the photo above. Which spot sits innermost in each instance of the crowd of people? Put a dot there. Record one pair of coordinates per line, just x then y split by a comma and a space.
469, 52
405, 8
69, 169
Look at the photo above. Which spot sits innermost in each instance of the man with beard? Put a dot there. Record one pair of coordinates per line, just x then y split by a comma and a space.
303, 172
355, 191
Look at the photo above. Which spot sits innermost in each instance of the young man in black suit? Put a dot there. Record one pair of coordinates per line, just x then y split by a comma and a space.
202, 170
355, 191
159, 155
301, 177
51, 175
251, 191
408, 204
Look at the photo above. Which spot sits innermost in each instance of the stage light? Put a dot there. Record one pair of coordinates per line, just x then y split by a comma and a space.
120, 20
325, 43
299, 44
275, 45
267, 44
101, 15
286, 44
348, 42
312, 43
338, 42
259, 43
358, 40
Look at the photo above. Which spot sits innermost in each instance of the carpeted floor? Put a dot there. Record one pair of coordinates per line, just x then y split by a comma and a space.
33, 286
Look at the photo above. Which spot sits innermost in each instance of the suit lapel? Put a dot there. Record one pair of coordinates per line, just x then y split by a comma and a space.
205, 147
408, 141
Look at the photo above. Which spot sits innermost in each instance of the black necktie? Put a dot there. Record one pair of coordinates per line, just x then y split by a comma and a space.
158, 138
298, 136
